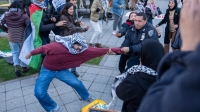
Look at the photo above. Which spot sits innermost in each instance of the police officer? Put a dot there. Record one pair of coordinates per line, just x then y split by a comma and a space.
136, 35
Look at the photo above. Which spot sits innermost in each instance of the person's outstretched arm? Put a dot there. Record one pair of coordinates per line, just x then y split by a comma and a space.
41, 50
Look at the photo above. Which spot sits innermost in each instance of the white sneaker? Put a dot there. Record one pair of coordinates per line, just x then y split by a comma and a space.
57, 109
114, 32
90, 98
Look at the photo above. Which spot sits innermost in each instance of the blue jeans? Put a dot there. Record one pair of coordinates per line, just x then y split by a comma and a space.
150, 21
45, 78
15, 49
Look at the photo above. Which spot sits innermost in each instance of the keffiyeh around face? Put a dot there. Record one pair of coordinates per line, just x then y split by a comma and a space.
69, 41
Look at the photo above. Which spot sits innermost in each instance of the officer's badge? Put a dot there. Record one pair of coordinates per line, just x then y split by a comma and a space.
142, 37
151, 33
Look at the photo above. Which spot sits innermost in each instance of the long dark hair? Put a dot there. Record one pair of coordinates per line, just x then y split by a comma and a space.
175, 6
64, 11
18, 5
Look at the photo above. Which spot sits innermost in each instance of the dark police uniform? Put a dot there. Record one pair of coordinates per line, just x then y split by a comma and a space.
134, 39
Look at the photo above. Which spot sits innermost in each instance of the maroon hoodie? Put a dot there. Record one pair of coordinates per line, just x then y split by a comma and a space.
16, 23
59, 58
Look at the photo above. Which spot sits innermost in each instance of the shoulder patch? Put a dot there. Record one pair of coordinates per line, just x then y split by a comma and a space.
151, 33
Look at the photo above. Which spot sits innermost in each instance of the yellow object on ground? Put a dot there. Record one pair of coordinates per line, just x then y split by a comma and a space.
98, 104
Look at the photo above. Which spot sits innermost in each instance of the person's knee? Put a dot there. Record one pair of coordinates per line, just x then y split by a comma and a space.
98, 32
76, 84
39, 94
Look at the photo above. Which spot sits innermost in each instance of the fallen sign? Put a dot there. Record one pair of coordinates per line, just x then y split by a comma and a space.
7, 55
161, 16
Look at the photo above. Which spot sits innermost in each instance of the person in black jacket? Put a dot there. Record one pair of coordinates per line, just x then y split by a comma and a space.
151, 10
177, 88
47, 24
136, 35
125, 26
140, 77
176, 44
172, 20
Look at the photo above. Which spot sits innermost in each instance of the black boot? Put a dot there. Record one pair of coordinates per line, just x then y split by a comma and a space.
75, 73
25, 69
17, 71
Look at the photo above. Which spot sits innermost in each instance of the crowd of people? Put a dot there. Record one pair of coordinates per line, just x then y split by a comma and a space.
153, 82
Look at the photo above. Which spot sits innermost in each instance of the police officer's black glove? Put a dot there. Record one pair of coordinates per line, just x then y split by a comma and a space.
97, 10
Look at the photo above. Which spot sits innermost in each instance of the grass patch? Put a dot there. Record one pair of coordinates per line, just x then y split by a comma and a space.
7, 70
95, 61
3, 2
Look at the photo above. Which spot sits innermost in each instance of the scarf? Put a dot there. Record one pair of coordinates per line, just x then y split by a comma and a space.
39, 4
15, 10
68, 42
136, 69
104, 4
152, 7
58, 3
131, 71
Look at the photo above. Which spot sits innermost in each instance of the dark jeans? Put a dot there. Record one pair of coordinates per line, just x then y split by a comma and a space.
122, 62
133, 60
150, 21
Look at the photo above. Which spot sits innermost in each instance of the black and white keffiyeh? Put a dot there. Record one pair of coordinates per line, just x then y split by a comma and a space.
105, 8
131, 71
39, 4
58, 3
104, 5
135, 69
68, 42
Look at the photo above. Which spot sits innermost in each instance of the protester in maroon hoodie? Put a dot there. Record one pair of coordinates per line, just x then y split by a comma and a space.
55, 65
16, 21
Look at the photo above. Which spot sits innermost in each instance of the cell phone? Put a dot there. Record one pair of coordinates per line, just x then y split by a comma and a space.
80, 18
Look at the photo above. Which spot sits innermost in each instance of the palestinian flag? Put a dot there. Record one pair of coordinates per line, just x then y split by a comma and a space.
32, 38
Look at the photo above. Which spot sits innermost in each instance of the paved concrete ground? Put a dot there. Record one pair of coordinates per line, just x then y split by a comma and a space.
18, 95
